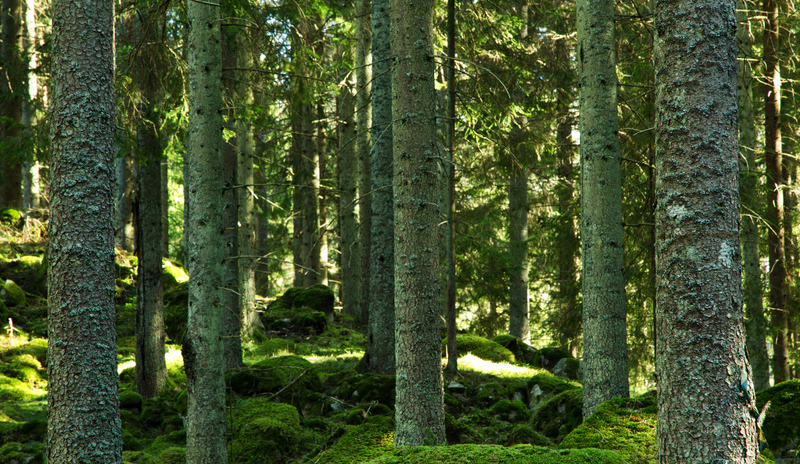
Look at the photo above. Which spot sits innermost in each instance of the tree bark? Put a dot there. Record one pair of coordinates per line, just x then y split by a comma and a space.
381, 341
519, 296
776, 182
605, 351
450, 189
83, 401
701, 342
419, 407
202, 348
755, 322
363, 124
30, 181
12, 81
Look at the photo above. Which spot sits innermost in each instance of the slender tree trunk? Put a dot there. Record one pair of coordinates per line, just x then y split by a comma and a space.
232, 327
350, 256
776, 182
755, 323
164, 171
419, 410
321, 255
701, 346
363, 124
202, 350
83, 402
450, 204
30, 189
605, 351
519, 301
125, 169
381, 342
12, 87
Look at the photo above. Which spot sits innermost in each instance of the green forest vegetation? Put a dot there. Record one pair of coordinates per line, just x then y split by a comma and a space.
545, 193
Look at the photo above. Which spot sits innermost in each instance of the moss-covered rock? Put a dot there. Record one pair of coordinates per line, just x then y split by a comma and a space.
31, 452
273, 346
569, 368
361, 443
559, 415
12, 295
782, 422
160, 414
481, 347
176, 312
548, 357
523, 352
544, 386
273, 374
510, 411
173, 274
11, 216
361, 413
523, 434
624, 425
474, 454
365, 388
129, 399
300, 309
265, 432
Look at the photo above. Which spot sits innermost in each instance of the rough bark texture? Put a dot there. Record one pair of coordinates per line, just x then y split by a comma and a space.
605, 352
151, 367
776, 182
83, 403
419, 408
12, 88
363, 123
701, 342
518, 301
202, 349
755, 322
450, 189
381, 343
348, 215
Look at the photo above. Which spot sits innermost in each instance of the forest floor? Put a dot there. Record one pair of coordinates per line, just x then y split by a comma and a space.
302, 396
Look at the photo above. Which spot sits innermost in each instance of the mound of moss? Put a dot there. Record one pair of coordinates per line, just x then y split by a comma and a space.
473, 454
361, 443
544, 386
365, 388
300, 309
296, 378
624, 425
523, 352
176, 312
782, 422
31, 452
548, 357
556, 417
481, 347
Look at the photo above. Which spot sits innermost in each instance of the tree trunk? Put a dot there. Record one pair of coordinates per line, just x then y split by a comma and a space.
450, 189
755, 323
776, 182
419, 407
321, 255
363, 124
350, 256
232, 328
605, 352
164, 171
518, 301
30, 181
12, 81
83, 402
202, 348
381, 342
701, 343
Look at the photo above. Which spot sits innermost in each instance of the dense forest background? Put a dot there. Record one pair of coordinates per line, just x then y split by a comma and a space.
305, 174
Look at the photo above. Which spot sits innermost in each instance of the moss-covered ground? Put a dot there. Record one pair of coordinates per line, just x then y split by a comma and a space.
302, 395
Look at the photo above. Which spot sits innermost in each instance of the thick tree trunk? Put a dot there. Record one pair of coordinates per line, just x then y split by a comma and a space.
202, 349
701, 343
605, 351
381, 342
419, 408
83, 403
12, 81
755, 322
776, 182
363, 124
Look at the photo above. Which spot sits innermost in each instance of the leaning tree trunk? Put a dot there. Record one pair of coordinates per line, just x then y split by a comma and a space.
419, 408
202, 348
83, 422
701, 356
605, 352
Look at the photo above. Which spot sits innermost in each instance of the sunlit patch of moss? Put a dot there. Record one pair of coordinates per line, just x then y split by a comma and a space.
482, 348
624, 425
12, 389
473, 363
361, 443
470, 454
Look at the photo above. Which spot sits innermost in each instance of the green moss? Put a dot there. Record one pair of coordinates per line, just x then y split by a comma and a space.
485, 454
559, 415
524, 434
782, 422
11, 216
265, 432
273, 374
624, 425
22, 432
12, 389
300, 308
13, 295
481, 347
318, 297
510, 411
31, 452
548, 357
361, 443
522, 351
370, 387
173, 455
129, 399
274, 346
176, 312
568, 367
362, 412
173, 274
545, 385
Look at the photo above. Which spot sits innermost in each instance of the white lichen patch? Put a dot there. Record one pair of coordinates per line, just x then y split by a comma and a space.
726, 254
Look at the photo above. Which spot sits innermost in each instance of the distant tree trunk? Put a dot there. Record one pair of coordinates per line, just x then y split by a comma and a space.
202, 349
321, 256
12, 87
776, 182
419, 408
519, 301
83, 400
164, 171
381, 342
605, 351
363, 124
350, 255
701, 345
30, 181
450, 189
755, 321
125, 170
232, 327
